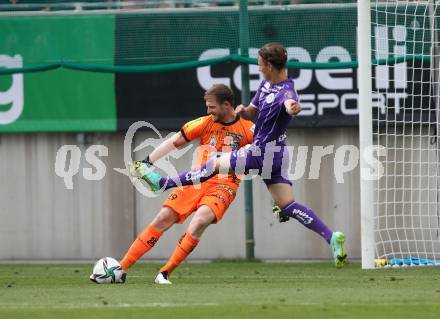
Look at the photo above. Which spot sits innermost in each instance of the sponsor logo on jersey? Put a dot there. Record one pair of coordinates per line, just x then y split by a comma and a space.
270, 98
235, 145
232, 141
282, 138
213, 141
240, 137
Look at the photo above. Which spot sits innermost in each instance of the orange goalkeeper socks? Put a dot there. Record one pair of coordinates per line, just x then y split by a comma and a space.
143, 243
185, 246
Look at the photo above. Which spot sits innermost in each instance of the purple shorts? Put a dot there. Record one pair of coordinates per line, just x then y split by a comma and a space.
270, 162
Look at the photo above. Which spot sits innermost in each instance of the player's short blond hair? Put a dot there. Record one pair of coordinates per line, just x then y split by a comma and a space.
221, 93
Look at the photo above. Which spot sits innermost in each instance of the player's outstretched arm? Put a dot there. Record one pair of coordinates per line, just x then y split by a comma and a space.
248, 113
166, 147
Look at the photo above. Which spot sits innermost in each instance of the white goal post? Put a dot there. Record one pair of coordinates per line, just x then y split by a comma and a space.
398, 54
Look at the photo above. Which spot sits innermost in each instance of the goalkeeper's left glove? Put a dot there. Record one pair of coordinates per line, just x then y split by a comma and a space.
279, 214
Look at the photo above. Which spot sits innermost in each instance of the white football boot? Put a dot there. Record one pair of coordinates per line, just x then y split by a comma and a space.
162, 279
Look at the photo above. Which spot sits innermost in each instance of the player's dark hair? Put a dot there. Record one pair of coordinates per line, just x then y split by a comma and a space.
222, 93
274, 53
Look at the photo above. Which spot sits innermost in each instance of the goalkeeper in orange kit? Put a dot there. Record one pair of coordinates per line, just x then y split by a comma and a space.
219, 131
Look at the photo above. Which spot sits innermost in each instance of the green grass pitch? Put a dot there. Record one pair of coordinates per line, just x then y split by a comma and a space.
222, 290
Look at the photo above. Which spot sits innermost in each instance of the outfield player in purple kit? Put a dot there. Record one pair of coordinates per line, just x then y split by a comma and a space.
274, 103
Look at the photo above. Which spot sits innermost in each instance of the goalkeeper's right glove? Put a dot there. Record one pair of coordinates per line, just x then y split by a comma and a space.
279, 214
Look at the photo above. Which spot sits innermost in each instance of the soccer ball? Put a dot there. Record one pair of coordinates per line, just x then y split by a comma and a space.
107, 270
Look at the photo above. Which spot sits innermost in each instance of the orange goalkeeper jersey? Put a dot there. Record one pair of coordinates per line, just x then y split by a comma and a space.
217, 138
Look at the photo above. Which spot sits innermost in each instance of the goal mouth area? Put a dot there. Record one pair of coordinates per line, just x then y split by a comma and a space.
399, 49
405, 262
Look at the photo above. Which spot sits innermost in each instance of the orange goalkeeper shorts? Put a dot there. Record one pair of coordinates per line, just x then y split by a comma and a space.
187, 199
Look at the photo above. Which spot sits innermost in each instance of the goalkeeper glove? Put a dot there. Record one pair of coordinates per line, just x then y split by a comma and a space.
279, 214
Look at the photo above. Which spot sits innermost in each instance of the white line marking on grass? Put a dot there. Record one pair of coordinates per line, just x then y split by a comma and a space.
165, 304
100, 305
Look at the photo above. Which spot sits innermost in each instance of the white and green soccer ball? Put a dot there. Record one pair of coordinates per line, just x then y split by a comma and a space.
107, 270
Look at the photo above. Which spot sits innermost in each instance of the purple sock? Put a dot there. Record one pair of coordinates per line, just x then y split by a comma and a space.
308, 218
191, 177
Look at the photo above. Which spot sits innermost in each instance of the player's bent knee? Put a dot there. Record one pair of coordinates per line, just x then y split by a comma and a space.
165, 219
200, 222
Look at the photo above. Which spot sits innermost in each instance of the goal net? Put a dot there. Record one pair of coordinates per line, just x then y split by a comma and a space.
405, 95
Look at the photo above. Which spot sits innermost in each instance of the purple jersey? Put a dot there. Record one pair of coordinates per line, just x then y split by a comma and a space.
267, 156
272, 117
